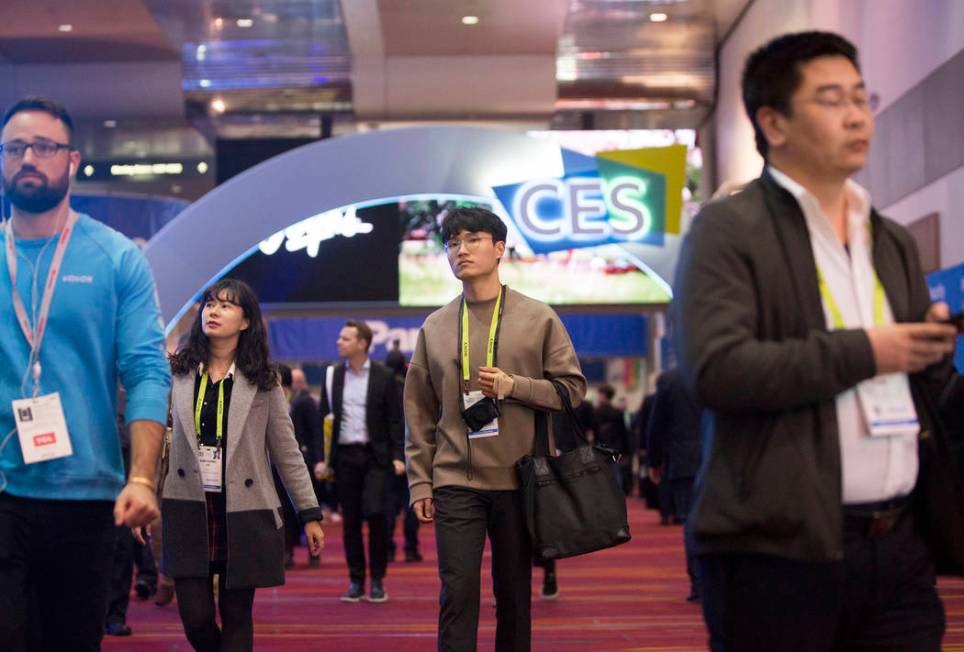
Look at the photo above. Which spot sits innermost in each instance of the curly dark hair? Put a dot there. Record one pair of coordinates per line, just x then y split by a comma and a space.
251, 358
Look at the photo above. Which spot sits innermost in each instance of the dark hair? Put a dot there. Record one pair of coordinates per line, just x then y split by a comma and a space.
364, 330
772, 73
42, 105
473, 219
284, 375
251, 358
607, 391
395, 360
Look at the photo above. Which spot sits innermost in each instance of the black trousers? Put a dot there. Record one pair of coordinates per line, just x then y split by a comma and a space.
463, 517
195, 604
128, 553
682, 490
881, 597
362, 485
55, 564
398, 498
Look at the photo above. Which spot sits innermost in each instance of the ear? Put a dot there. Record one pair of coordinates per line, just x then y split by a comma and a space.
500, 248
74, 162
245, 323
773, 124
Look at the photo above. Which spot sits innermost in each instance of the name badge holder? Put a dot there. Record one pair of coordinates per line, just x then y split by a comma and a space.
886, 402
209, 458
41, 424
470, 398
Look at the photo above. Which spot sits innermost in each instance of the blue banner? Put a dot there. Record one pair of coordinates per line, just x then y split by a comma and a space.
313, 338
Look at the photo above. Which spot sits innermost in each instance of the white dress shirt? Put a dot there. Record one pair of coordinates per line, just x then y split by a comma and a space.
874, 468
354, 426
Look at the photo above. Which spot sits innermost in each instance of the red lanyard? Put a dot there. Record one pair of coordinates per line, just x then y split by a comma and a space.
35, 335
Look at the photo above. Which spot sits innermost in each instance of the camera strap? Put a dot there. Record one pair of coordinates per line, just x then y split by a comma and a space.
492, 345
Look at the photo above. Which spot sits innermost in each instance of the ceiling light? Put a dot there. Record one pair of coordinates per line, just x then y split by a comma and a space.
658, 17
202, 167
89, 170
245, 22
65, 28
470, 20
218, 105
219, 23
110, 124
204, 83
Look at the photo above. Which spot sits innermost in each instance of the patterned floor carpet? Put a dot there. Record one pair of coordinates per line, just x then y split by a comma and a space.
629, 598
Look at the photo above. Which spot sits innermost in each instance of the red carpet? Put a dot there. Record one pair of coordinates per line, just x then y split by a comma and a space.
629, 598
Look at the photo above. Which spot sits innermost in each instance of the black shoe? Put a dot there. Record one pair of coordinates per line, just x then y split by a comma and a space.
117, 629
694, 595
354, 593
377, 592
550, 589
412, 556
144, 590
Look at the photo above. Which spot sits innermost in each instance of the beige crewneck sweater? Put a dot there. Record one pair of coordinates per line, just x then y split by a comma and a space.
533, 347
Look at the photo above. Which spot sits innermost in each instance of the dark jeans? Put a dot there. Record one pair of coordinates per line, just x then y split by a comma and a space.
55, 563
362, 486
195, 603
398, 498
128, 553
463, 517
881, 597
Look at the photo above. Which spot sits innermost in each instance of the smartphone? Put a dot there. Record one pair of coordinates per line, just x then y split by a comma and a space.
957, 321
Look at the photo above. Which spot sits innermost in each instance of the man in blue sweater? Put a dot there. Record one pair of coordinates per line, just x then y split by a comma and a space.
78, 314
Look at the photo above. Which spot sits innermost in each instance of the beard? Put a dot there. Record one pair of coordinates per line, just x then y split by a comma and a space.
36, 199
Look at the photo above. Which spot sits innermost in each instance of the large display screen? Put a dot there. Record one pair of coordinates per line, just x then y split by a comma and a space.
572, 240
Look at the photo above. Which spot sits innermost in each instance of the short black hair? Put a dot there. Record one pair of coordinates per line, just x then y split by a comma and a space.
607, 391
363, 330
284, 374
772, 73
43, 105
473, 219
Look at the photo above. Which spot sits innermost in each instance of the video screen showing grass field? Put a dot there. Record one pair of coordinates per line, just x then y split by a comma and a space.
593, 275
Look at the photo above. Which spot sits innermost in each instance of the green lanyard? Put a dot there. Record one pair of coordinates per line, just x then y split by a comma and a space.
837, 316
493, 337
219, 428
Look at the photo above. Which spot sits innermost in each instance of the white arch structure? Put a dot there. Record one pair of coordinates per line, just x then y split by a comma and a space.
211, 235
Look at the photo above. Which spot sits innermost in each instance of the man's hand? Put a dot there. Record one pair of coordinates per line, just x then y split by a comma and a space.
320, 469
399, 466
142, 534
315, 537
495, 383
135, 506
655, 474
909, 348
424, 510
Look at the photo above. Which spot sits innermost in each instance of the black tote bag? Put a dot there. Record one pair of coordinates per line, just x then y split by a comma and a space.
573, 504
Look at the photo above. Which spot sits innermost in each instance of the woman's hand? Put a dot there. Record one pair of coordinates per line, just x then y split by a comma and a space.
315, 537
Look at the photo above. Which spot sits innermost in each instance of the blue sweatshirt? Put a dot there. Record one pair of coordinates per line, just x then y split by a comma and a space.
104, 326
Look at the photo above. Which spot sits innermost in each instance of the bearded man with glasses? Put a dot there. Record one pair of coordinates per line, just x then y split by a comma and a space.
79, 316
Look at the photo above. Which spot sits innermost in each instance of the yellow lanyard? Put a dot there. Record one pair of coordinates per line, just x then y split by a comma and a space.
837, 316
219, 427
490, 347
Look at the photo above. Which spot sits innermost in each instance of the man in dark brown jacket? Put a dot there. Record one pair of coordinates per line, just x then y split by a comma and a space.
482, 365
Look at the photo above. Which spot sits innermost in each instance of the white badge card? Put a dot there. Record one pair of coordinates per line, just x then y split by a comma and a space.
491, 429
42, 428
888, 406
209, 459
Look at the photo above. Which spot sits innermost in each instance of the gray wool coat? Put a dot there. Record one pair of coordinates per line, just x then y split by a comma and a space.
259, 434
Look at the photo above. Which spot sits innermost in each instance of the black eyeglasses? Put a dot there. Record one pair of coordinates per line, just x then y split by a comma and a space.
41, 148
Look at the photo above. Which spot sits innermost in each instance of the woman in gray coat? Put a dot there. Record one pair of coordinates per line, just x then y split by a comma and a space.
221, 512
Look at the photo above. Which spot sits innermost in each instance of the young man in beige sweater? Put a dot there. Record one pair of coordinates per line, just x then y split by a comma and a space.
481, 370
